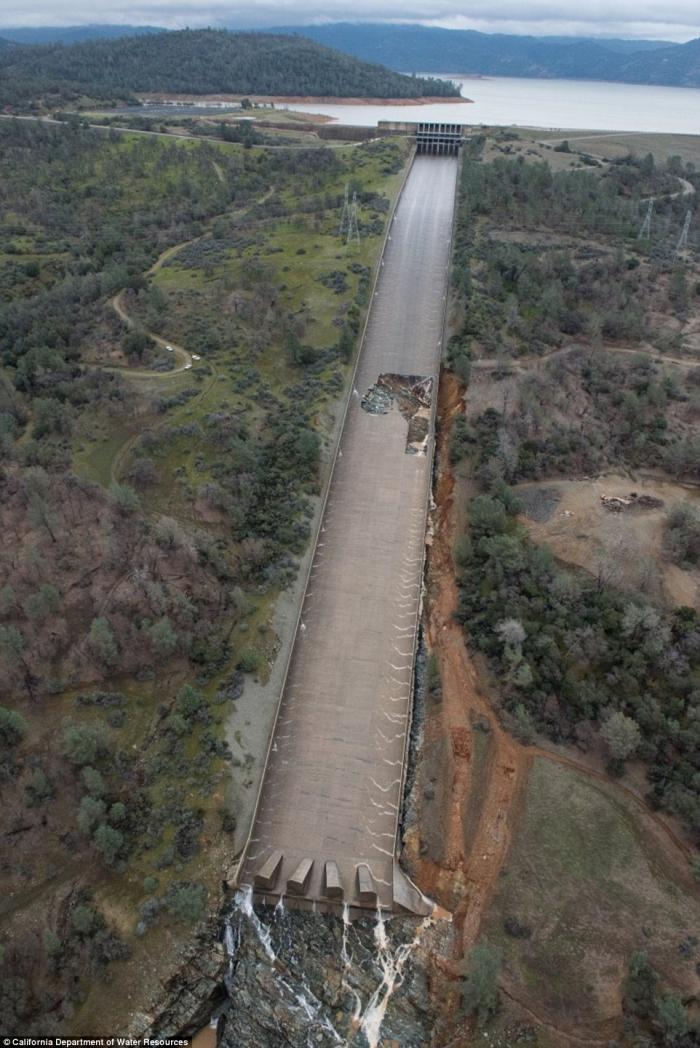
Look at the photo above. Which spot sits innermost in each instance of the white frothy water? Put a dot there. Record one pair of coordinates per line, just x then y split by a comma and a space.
392, 964
312, 1008
229, 940
346, 960
243, 901
304, 999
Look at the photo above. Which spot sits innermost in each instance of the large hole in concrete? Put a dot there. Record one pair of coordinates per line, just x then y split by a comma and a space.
412, 394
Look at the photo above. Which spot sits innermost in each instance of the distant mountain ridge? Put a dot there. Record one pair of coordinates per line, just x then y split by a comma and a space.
433, 50
404, 48
73, 34
213, 61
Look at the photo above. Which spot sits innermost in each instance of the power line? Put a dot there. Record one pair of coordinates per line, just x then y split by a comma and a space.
345, 217
353, 227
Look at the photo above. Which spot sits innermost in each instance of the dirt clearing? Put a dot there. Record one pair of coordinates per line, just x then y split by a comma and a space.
627, 547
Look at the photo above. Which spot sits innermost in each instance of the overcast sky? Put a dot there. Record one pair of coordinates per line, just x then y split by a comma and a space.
661, 19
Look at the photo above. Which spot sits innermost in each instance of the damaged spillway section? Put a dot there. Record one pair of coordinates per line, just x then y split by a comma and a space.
412, 395
328, 940
326, 827
304, 979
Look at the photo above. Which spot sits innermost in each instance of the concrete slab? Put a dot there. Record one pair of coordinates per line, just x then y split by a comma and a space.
298, 883
333, 785
266, 877
333, 884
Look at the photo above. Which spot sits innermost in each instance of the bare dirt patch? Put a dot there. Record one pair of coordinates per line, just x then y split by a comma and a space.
571, 517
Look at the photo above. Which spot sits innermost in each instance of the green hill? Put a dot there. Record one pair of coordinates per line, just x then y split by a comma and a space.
218, 61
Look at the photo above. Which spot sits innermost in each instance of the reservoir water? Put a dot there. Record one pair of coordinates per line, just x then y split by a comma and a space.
574, 104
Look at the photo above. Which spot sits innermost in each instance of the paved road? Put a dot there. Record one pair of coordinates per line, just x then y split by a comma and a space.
333, 786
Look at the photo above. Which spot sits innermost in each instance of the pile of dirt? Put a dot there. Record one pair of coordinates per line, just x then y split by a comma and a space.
622, 503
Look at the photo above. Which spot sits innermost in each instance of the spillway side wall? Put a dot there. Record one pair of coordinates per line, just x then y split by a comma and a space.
232, 879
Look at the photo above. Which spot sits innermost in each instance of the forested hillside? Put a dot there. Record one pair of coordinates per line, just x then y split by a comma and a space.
155, 498
552, 273
435, 50
73, 34
209, 61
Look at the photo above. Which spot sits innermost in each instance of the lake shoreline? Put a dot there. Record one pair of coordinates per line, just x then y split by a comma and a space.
163, 98
548, 104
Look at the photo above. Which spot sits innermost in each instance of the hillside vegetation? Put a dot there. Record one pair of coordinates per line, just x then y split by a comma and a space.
217, 61
577, 340
155, 503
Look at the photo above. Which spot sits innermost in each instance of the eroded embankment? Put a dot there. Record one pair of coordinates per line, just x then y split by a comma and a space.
471, 777
461, 874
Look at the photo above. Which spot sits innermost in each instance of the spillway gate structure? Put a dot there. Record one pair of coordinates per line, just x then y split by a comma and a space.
433, 139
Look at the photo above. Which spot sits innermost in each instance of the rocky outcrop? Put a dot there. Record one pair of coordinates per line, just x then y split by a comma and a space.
299, 979
189, 997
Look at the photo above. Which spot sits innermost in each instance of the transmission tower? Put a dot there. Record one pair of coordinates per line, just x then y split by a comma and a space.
645, 231
683, 238
353, 228
345, 217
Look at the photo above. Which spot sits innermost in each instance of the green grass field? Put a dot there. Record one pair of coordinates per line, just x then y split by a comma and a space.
591, 885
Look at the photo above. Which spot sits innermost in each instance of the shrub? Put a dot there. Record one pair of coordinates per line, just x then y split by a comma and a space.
93, 782
38, 789
480, 982
85, 920
80, 743
13, 728
108, 842
186, 902
102, 642
249, 661
124, 498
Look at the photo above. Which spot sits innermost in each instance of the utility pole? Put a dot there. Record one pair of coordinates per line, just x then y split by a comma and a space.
645, 231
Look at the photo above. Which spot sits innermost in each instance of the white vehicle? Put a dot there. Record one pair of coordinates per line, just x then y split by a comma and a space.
188, 367
169, 349
195, 356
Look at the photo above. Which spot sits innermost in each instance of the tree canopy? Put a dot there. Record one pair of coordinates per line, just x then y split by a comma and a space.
208, 60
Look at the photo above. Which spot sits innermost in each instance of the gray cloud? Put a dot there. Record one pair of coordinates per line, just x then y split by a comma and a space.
671, 20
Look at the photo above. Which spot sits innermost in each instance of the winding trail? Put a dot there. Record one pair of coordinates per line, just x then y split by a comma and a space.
531, 363
183, 356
